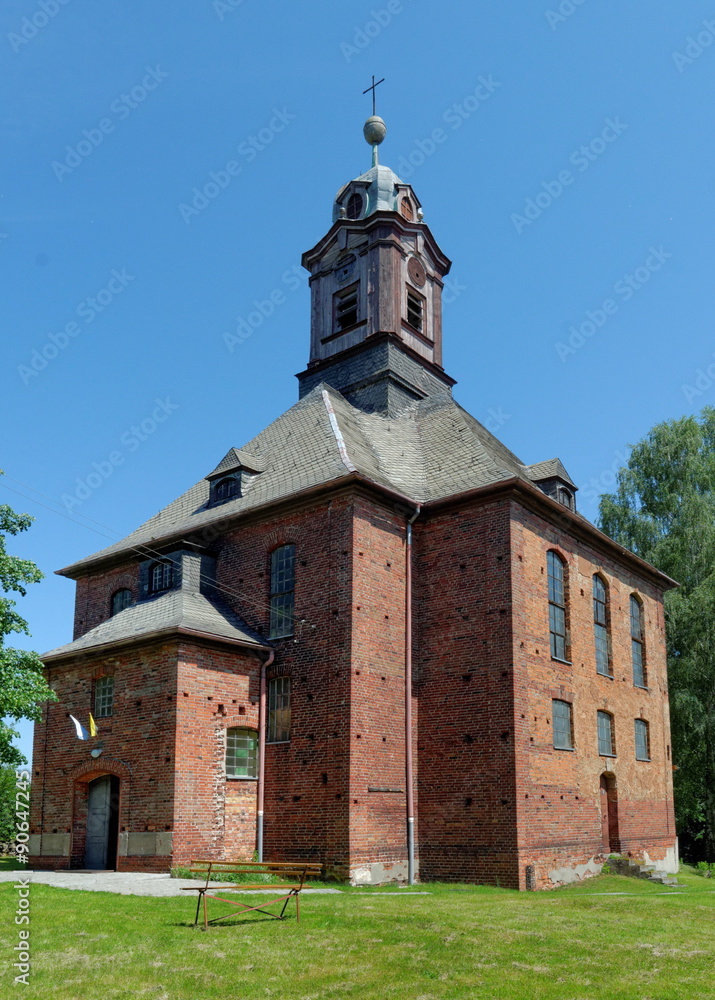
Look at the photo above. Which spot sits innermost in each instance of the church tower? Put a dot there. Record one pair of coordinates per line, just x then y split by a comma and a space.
376, 294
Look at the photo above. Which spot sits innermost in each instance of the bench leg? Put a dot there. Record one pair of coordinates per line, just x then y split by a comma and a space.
198, 905
206, 920
297, 907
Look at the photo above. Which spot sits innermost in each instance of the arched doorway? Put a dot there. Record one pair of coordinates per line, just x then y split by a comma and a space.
102, 823
609, 815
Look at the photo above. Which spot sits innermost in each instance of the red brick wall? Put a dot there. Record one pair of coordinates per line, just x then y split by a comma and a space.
93, 599
138, 746
467, 808
558, 790
378, 820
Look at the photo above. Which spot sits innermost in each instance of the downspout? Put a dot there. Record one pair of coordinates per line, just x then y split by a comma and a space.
260, 792
408, 702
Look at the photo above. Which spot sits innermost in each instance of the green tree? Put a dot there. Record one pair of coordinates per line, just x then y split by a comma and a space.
22, 685
8, 782
663, 509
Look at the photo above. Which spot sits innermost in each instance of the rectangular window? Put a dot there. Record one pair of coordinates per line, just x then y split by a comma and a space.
241, 753
279, 710
606, 743
103, 697
642, 740
415, 307
282, 591
562, 725
637, 644
600, 627
346, 308
557, 606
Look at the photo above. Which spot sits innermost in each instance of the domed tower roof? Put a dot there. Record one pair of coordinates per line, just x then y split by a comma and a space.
377, 190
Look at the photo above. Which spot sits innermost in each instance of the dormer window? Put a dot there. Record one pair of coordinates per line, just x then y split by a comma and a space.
406, 210
565, 497
121, 599
353, 206
161, 577
346, 308
225, 489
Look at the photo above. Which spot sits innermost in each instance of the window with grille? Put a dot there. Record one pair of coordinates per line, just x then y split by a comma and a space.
642, 740
562, 724
346, 308
282, 596
353, 209
161, 577
637, 644
121, 600
606, 741
103, 697
557, 606
600, 626
241, 753
225, 489
279, 710
415, 308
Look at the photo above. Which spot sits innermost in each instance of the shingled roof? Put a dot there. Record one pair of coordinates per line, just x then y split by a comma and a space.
184, 611
433, 449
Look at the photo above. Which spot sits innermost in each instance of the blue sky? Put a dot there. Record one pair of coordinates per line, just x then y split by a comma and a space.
563, 155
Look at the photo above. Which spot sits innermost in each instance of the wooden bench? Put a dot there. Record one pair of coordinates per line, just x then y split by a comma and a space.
296, 871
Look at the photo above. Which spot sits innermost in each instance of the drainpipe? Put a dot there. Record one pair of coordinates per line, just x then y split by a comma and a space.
260, 794
408, 702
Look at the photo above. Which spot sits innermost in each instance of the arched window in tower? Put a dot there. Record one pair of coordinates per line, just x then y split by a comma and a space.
406, 210
600, 626
345, 304
640, 676
415, 310
557, 605
353, 207
282, 591
121, 599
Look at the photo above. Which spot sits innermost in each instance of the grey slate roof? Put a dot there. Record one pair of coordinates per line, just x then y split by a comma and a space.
552, 469
175, 609
431, 450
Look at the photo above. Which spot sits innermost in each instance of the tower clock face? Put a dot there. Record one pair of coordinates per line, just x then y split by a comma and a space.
416, 272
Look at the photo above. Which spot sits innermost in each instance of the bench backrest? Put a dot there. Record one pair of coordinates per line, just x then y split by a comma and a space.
292, 870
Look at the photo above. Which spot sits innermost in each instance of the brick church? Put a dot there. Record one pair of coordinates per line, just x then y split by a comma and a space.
371, 636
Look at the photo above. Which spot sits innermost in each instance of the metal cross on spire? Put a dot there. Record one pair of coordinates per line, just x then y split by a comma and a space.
372, 88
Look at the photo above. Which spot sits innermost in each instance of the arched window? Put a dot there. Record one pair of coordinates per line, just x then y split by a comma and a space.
642, 740
637, 643
161, 577
278, 710
606, 736
225, 489
353, 208
282, 591
241, 753
600, 626
557, 605
121, 599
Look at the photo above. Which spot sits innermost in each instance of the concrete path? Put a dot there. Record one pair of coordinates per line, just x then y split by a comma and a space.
125, 883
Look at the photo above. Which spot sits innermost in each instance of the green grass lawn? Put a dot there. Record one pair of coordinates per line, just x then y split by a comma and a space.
457, 942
